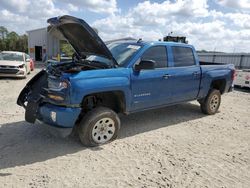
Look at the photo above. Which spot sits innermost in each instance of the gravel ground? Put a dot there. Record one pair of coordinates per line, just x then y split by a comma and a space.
176, 146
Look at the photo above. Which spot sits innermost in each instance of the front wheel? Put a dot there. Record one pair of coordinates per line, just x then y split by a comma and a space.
99, 126
211, 103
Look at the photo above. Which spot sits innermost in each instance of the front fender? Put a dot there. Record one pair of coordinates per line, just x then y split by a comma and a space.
83, 87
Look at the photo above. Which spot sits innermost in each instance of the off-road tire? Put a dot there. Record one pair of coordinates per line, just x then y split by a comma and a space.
211, 103
93, 118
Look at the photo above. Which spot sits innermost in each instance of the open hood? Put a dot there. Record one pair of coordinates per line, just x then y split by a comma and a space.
81, 36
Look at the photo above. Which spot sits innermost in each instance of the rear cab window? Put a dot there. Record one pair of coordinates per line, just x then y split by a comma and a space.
157, 54
183, 56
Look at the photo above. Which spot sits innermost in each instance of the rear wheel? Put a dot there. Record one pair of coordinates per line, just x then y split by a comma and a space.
99, 126
211, 103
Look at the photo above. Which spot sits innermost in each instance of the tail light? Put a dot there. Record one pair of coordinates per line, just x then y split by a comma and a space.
247, 77
233, 74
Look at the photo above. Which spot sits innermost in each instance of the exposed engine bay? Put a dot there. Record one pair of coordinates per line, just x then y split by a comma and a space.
75, 66
51, 86
57, 69
48, 80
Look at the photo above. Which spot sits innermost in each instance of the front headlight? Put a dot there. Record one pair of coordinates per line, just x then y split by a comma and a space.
21, 66
58, 85
58, 89
64, 84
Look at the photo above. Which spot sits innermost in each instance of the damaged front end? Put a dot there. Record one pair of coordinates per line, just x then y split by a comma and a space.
46, 98
31, 95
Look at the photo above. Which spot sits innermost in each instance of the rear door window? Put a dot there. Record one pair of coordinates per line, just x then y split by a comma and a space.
183, 56
157, 54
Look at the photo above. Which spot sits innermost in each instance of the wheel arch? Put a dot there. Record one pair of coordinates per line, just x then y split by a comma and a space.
115, 100
219, 84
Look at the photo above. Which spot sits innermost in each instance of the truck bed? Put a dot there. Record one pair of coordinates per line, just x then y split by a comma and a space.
208, 66
210, 63
221, 71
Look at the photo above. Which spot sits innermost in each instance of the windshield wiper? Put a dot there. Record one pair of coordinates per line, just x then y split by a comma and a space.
93, 63
98, 63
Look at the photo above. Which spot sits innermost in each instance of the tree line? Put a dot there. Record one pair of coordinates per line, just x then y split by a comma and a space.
11, 41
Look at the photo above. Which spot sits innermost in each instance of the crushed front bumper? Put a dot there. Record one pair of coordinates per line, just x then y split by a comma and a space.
36, 108
58, 116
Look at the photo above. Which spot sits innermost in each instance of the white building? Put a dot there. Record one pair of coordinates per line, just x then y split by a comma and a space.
42, 44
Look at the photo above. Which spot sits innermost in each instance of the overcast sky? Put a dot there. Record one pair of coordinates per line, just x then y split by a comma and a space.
223, 25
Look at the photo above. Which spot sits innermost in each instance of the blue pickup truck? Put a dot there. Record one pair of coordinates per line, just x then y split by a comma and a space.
101, 81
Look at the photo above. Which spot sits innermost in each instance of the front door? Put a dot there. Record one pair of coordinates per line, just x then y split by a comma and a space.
151, 87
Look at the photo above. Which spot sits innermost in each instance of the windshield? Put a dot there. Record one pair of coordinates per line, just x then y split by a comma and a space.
99, 59
11, 56
122, 52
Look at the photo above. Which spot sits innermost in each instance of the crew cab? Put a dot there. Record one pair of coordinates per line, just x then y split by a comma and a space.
101, 81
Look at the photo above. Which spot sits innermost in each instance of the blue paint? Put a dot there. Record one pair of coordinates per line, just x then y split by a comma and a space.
65, 117
143, 90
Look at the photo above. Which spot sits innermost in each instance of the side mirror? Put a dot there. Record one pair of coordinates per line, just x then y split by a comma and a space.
145, 65
27, 60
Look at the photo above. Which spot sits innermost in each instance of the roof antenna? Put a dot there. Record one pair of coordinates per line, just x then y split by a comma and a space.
139, 40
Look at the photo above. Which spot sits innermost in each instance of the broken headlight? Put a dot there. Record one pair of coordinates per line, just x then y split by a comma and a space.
58, 85
21, 66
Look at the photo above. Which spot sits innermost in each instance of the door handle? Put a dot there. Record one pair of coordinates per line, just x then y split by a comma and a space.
196, 73
166, 76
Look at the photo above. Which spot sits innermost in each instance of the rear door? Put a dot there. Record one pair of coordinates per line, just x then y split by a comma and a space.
150, 87
185, 74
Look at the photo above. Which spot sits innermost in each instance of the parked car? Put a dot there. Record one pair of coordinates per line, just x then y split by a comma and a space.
122, 77
14, 64
242, 78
